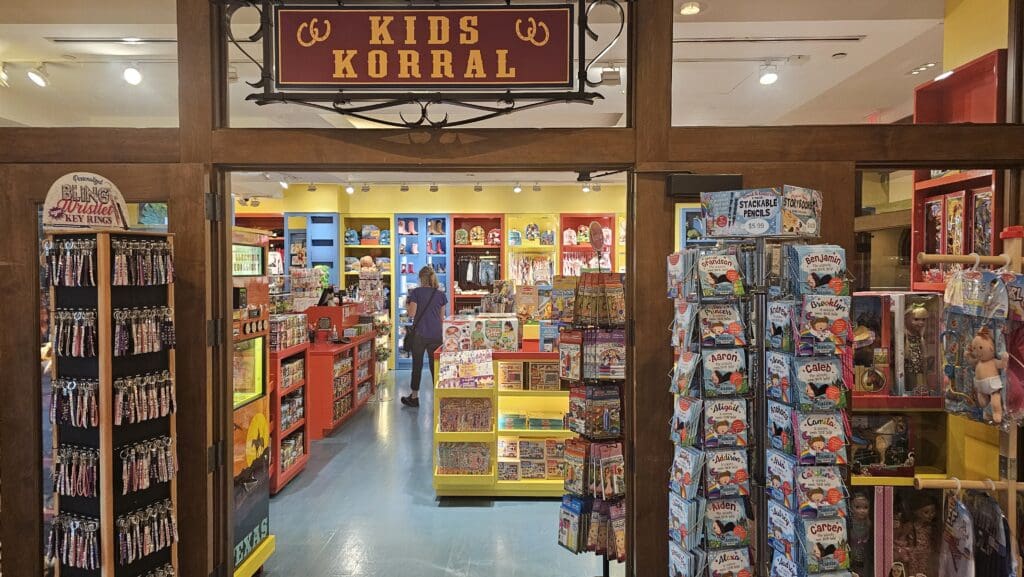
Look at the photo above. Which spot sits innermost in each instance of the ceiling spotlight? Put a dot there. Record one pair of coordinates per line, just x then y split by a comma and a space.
254, 202
266, 176
132, 75
39, 76
5, 79
244, 201
944, 75
433, 187
478, 188
690, 8
915, 72
404, 187
839, 55
517, 189
586, 188
350, 189
930, 65
536, 187
597, 187
311, 187
769, 74
283, 184
365, 188
131, 40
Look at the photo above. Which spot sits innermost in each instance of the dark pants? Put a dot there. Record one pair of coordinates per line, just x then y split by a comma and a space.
421, 345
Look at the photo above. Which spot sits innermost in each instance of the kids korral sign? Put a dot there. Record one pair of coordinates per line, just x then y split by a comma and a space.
84, 200
424, 47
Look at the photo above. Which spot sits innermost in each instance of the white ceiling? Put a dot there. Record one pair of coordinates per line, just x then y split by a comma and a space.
713, 83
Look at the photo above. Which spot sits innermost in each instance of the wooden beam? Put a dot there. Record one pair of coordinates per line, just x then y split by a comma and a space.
198, 104
651, 77
403, 149
43, 145
920, 145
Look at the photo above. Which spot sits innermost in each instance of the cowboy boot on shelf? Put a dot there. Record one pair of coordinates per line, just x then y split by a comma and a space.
430, 246
411, 227
401, 246
401, 226
414, 248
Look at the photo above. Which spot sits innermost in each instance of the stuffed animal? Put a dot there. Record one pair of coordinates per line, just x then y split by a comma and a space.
366, 263
988, 384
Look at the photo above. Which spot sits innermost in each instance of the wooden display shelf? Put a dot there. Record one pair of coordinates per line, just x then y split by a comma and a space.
294, 427
955, 181
320, 409
341, 420
344, 394
894, 403
292, 388
278, 478
881, 481
292, 471
478, 246
289, 352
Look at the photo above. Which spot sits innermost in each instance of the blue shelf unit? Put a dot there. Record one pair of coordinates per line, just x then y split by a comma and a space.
419, 240
320, 238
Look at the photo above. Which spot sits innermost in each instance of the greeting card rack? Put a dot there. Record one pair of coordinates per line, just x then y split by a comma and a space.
114, 431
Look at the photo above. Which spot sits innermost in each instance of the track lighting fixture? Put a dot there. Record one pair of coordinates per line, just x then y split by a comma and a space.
132, 75
5, 79
39, 76
517, 189
350, 189
536, 187
365, 188
433, 187
769, 74
403, 188
478, 188
586, 188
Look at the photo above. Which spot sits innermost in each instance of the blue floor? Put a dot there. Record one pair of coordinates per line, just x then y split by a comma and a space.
365, 507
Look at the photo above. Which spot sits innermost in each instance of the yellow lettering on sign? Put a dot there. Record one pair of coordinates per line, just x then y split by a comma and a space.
504, 70
469, 33
378, 64
440, 29
379, 33
442, 64
408, 64
410, 30
475, 65
343, 63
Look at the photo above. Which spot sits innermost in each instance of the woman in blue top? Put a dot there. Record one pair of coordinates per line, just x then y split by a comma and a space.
425, 305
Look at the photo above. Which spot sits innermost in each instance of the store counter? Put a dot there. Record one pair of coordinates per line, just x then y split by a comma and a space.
341, 381
505, 441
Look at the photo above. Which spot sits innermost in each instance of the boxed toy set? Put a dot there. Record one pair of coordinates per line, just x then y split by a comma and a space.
497, 332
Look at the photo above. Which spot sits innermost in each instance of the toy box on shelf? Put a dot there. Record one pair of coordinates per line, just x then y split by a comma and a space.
421, 240
478, 255
958, 212
576, 252
532, 250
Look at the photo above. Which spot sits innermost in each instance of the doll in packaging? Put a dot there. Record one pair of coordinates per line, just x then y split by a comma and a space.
861, 535
917, 532
988, 380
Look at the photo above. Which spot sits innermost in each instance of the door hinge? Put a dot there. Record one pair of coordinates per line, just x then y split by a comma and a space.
214, 208
215, 333
215, 457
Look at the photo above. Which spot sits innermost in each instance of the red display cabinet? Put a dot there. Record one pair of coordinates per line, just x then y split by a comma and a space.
286, 386
959, 212
575, 248
479, 238
341, 381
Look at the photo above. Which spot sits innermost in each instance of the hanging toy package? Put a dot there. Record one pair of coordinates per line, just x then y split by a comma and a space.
1015, 349
975, 357
956, 555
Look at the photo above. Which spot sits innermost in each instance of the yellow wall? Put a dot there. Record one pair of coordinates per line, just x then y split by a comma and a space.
388, 199
973, 28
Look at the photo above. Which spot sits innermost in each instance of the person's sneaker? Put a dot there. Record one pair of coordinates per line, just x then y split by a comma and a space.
410, 401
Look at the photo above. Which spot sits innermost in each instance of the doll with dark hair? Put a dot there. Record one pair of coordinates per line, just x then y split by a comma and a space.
916, 539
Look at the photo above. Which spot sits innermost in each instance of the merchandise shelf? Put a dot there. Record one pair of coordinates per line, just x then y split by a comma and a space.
289, 352
893, 403
536, 433
873, 481
292, 388
478, 247
368, 376
517, 393
464, 436
294, 427
320, 367
278, 479
440, 393
296, 467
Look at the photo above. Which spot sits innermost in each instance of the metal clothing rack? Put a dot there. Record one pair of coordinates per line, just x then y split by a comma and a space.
1007, 486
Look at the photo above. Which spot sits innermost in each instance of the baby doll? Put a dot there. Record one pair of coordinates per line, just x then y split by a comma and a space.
987, 382
916, 319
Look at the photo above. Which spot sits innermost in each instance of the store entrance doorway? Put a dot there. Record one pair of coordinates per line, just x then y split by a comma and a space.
328, 271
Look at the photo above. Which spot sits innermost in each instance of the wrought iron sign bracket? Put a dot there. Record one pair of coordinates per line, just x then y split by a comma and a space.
371, 103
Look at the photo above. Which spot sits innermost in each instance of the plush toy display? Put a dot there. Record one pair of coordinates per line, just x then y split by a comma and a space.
366, 263
988, 383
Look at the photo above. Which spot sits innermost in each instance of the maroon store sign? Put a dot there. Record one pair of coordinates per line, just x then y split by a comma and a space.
418, 48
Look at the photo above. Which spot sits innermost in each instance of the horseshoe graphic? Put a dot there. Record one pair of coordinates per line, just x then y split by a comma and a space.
314, 32
531, 31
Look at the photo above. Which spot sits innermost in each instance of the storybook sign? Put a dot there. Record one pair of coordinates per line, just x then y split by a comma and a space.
416, 48
85, 200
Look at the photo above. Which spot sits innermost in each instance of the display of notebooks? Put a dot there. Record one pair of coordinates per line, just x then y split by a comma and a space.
725, 423
726, 474
818, 383
686, 420
729, 562
685, 563
569, 523
721, 326
682, 323
820, 492
464, 414
463, 459
817, 269
610, 351
782, 530
613, 470
686, 520
823, 326
510, 376
820, 439
724, 372
825, 545
779, 329
779, 368
508, 471
555, 469
532, 449
576, 466
512, 421
685, 476
508, 447
780, 427
719, 275
529, 469
544, 377
545, 421
781, 472
554, 448
570, 355
727, 524
682, 371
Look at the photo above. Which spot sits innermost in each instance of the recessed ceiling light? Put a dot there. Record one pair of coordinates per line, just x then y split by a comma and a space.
132, 75
930, 65
283, 184
350, 189
39, 76
839, 55
365, 188
915, 72
769, 74
944, 75
517, 189
690, 8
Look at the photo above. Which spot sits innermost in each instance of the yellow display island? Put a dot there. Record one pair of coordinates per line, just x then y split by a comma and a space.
505, 441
